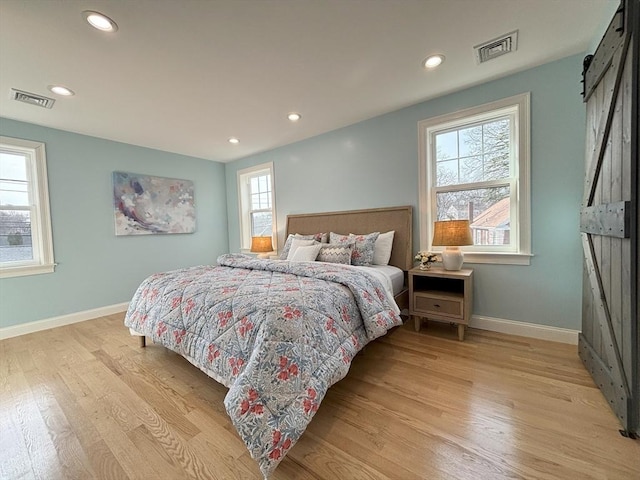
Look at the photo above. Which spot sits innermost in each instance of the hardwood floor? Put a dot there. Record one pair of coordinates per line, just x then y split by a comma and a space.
85, 401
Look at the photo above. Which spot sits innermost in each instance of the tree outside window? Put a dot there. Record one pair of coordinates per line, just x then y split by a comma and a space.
476, 161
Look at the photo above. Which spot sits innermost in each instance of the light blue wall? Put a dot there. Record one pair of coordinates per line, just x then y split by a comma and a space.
375, 163
95, 268
611, 9
370, 164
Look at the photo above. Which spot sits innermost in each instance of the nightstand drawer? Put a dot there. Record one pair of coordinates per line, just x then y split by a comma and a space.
439, 304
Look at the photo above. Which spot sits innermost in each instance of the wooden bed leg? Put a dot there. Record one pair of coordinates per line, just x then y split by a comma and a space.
143, 341
460, 332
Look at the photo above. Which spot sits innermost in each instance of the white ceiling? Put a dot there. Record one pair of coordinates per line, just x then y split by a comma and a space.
185, 75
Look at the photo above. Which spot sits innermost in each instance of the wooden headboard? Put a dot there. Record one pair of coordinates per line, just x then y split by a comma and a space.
380, 220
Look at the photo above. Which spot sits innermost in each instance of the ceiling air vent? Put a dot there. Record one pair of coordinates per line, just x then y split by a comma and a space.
497, 47
32, 98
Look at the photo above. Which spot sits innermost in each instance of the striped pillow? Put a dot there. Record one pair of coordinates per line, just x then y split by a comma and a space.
331, 253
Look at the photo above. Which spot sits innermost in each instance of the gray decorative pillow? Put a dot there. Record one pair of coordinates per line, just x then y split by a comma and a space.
335, 253
362, 253
318, 237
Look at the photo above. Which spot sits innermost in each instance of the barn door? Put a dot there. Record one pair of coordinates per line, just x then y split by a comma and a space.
608, 344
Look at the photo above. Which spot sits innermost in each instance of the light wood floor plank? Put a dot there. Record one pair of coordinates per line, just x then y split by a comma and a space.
15, 455
104, 463
84, 401
71, 455
224, 463
42, 454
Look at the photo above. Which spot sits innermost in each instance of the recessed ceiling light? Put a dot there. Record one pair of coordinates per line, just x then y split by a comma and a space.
432, 61
234, 140
100, 21
294, 117
60, 90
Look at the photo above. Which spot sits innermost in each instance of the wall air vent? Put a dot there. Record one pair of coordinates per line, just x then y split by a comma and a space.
32, 98
497, 47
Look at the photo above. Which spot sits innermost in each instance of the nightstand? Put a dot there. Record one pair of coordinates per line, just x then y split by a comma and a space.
443, 295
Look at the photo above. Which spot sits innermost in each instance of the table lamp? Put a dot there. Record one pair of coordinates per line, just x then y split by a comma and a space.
452, 234
262, 246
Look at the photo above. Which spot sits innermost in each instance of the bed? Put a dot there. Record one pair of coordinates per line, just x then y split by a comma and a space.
278, 333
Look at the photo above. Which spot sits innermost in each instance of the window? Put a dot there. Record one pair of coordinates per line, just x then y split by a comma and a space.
26, 246
474, 165
256, 204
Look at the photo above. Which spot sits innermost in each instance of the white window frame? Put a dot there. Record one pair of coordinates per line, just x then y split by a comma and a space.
519, 106
244, 203
41, 237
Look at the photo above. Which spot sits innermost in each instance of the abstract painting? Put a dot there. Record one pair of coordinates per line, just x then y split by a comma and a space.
147, 205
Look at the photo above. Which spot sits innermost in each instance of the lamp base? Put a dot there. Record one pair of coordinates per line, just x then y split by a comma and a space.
452, 258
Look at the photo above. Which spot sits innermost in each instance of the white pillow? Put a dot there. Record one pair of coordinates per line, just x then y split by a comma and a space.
318, 237
382, 248
298, 242
306, 253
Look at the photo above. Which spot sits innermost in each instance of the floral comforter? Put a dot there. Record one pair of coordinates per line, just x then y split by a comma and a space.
278, 334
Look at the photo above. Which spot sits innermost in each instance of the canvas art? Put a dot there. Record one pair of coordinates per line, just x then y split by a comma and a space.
147, 205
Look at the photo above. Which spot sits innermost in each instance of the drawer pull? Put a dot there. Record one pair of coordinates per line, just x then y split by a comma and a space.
436, 305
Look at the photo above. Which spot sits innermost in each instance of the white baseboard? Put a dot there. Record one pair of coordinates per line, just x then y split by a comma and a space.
31, 327
524, 329
532, 330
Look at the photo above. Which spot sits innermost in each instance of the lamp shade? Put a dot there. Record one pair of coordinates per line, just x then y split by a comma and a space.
261, 244
451, 233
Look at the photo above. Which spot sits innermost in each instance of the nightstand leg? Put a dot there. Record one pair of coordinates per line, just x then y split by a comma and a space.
143, 341
417, 320
460, 332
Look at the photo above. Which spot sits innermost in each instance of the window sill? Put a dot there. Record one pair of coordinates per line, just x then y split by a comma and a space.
246, 251
499, 258
23, 270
